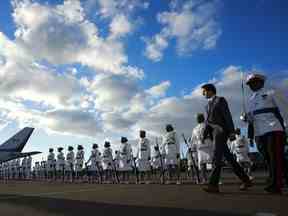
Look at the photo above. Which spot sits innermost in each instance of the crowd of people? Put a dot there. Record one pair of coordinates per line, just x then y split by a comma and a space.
213, 140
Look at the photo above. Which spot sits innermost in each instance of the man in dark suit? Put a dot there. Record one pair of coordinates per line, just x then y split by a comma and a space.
220, 127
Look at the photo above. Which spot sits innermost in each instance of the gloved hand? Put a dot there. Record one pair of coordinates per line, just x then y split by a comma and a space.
244, 117
149, 158
177, 156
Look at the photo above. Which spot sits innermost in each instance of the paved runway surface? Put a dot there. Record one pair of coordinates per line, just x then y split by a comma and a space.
36, 198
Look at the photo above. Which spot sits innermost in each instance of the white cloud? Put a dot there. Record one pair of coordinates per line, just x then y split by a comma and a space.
112, 92
194, 25
110, 8
155, 47
159, 90
120, 26
61, 34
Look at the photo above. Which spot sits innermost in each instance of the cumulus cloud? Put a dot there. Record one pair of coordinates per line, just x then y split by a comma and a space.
61, 34
120, 26
194, 25
159, 90
22, 79
110, 8
111, 92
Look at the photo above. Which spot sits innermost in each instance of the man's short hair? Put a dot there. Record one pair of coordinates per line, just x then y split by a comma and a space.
209, 87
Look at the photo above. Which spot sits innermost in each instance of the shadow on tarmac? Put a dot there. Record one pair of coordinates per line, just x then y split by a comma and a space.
82, 208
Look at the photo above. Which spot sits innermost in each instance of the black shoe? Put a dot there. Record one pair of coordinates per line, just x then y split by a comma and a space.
211, 189
273, 190
245, 185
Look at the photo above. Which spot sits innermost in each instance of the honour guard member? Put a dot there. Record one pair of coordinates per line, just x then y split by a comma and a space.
44, 170
157, 163
51, 164
107, 162
70, 159
265, 116
60, 164
171, 149
79, 162
126, 157
28, 167
23, 168
241, 150
37, 171
95, 166
18, 167
117, 159
144, 156
204, 147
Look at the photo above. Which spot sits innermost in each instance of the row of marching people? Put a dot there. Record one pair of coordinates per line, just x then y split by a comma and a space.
153, 162
16, 169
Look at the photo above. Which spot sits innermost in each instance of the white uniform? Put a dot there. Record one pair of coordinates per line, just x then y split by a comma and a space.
28, 166
117, 160
264, 122
171, 148
51, 162
60, 164
107, 159
204, 149
79, 160
23, 166
95, 160
43, 168
70, 157
37, 170
144, 151
156, 159
10, 168
126, 157
18, 166
241, 149
14, 168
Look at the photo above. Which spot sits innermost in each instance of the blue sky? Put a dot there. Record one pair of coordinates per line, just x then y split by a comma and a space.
86, 71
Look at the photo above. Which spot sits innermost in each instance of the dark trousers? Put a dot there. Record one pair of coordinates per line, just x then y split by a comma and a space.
271, 146
221, 150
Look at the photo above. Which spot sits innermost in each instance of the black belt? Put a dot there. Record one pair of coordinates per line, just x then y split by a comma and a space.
265, 110
273, 110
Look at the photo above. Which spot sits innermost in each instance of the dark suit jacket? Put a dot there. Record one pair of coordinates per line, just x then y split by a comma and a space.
218, 113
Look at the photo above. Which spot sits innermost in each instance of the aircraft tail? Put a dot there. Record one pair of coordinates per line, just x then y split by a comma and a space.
18, 141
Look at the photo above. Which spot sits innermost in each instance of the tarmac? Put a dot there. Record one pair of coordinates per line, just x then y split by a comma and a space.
55, 199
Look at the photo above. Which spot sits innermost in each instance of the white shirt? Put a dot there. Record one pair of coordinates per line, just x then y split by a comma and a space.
144, 149
80, 157
125, 151
60, 158
241, 148
171, 143
197, 138
264, 122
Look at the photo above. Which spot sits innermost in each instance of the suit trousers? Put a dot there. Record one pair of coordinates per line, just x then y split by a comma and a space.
222, 150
